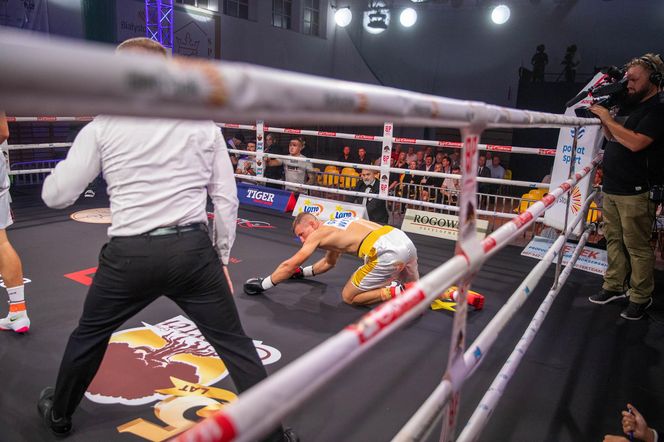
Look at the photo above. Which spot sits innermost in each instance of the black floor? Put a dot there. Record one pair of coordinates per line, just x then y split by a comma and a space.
582, 368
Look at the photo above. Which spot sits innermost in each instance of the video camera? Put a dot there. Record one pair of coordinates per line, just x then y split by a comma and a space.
609, 94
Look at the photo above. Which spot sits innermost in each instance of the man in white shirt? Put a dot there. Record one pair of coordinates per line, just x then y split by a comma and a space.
157, 172
299, 172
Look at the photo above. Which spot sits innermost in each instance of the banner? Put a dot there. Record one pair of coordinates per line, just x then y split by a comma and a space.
24, 14
196, 32
589, 141
268, 197
438, 225
328, 209
591, 259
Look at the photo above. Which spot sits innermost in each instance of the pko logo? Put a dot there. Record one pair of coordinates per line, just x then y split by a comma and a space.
261, 197
582, 131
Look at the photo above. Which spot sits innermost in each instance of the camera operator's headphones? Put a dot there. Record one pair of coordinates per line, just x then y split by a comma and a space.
656, 76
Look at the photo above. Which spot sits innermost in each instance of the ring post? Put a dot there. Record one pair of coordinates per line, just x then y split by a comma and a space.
385, 158
260, 147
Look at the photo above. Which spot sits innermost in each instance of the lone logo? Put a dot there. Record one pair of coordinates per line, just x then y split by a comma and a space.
168, 362
260, 197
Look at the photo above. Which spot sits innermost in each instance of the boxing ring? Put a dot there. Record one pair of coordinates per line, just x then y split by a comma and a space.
234, 93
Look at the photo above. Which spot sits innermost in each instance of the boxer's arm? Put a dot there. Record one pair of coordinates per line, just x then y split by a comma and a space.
287, 268
326, 263
72, 175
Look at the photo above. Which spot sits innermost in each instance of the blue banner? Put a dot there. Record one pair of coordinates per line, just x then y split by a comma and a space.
268, 197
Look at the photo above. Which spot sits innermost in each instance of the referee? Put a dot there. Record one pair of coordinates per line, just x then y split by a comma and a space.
157, 173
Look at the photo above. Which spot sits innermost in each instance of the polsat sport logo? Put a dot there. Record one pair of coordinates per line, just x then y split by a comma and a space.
169, 362
312, 208
341, 213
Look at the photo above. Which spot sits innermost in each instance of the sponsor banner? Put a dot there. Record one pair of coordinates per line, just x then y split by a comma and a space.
328, 209
591, 259
589, 140
438, 225
268, 197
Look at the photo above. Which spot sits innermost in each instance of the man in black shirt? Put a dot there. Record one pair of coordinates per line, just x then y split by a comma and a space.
275, 172
635, 138
375, 207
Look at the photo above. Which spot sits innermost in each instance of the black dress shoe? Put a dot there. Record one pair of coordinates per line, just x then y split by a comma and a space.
290, 436
59, 427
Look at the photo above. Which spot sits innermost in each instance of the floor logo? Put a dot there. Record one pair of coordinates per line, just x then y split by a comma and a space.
169, 362
94, 216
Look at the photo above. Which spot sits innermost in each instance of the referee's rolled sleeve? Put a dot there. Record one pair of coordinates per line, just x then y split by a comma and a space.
223, 191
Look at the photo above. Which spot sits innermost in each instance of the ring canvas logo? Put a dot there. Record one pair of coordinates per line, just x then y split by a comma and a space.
170, 362
93, 216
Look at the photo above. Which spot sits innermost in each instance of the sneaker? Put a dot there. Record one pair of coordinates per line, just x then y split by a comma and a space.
635, 311
20, 323
606, 296
59, 427
89, 193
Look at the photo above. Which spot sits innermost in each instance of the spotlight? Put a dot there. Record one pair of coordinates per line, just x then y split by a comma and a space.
408, 17
500, 14
343, 17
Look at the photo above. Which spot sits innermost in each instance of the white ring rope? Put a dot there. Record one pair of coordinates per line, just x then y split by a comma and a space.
11, 147
487, 404
47, 119
95, 80
419, 426
400, 140
262, 407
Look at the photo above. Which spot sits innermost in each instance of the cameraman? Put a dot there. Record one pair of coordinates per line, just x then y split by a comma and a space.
635, 140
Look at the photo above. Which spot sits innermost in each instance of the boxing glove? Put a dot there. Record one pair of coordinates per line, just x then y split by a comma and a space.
256, 286
303, 272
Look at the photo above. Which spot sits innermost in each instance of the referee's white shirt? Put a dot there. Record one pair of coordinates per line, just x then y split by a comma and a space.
158, 172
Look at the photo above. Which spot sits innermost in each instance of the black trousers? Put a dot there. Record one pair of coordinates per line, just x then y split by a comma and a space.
133, 272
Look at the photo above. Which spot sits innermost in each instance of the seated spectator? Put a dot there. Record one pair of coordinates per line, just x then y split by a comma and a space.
634, 426
455, 158
419, 159
497, 170
376, 208
346, 156
246, 164
439, 157
410, 156
451, 188
428, 150
235, 143
410, 182
447, 166
396, 150
428, 164
362, 157
436, 181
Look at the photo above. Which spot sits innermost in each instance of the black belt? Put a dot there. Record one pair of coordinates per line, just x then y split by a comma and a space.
171, 230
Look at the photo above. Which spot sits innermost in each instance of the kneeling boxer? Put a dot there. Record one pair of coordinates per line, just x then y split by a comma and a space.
390, 258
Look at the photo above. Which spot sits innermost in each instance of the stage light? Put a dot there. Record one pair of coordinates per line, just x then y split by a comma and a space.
343, 17
500, 14
408, 17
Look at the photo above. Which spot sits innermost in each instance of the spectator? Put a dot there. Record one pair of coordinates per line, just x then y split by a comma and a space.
635, 426
428, 167
570, 62
300, 172
274, 172
439, 157
362, 157
497, 170
346, 156
539, 62
395, 177
447, 166
235, 143
484, 172
396, 150
451, 187
376, 208
410, 156
455, 159
419, 159
246, 164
